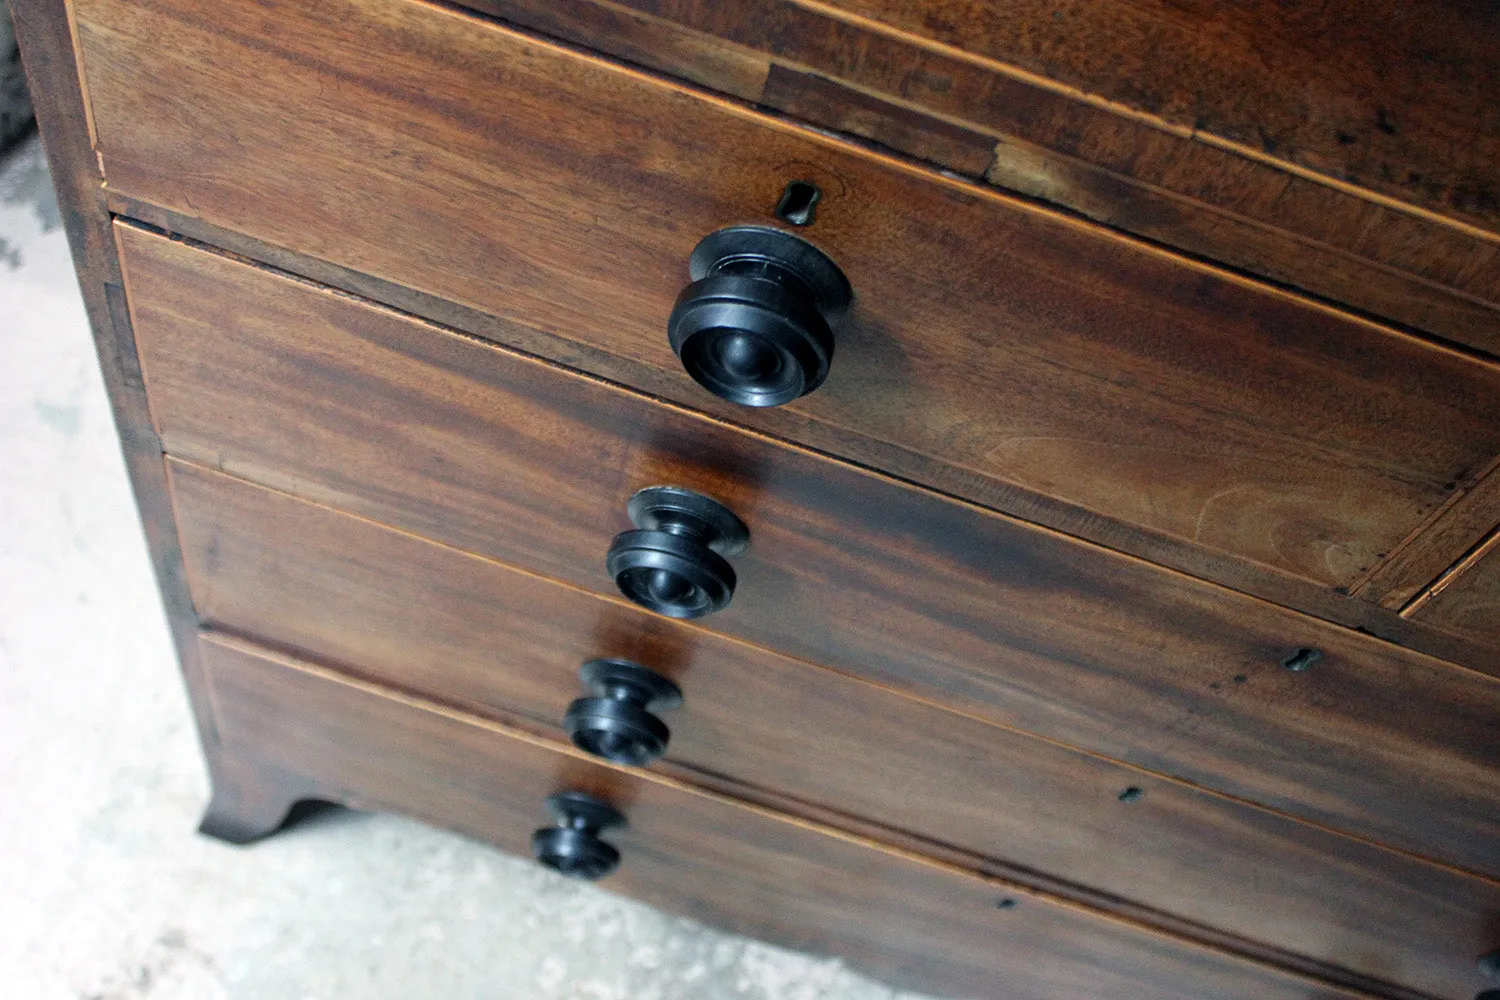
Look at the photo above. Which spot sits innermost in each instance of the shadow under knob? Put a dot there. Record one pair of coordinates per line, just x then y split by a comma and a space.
754, 327
673, 562
573, 847
615, 721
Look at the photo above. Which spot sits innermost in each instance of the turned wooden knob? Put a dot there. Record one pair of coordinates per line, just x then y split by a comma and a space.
755, 325
615, 720
572, 847
673, 562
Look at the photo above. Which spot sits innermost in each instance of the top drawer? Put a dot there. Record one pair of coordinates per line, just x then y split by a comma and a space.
999, 351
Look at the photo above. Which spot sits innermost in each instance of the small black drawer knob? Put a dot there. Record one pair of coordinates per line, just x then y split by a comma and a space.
573, 847
754, 327
615, 721
673, 562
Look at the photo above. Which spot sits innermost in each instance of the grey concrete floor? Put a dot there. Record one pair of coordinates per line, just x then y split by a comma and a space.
106, 893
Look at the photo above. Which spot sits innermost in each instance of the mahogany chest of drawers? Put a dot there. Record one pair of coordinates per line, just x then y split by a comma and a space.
1002, 493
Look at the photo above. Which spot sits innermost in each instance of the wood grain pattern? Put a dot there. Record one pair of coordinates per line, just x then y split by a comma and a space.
638, 38
1467, 599
827, 102
1024, 352
1279, 588
1144, 176
298, 388
1394, 98
909, 922
449, 626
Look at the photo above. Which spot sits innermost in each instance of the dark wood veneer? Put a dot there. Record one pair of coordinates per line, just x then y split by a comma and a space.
449, 626
348, 404
1442, 533
1021, 352
1161, 179
909, 921
1332, 450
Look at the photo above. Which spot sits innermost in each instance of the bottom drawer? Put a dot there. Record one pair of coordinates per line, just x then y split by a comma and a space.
903, 919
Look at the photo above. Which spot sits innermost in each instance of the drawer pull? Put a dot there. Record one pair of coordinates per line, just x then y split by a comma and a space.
573, 847
673, 562
614, 721
754, 325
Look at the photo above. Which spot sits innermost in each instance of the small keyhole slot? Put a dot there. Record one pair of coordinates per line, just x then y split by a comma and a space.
1302, 659
799, 203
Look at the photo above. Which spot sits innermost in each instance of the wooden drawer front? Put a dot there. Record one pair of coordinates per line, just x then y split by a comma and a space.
994, 346
448, 625
978, 118
349, 404
908, 921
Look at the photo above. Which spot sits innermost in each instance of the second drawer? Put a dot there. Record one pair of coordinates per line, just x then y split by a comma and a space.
445, 624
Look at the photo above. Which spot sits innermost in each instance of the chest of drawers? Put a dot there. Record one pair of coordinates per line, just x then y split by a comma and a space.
924, 483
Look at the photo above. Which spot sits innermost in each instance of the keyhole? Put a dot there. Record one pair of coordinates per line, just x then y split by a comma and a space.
1302, 659
799, 203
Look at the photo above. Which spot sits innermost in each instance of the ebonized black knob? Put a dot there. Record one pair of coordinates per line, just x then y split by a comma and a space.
673, 562
615, 721
573, 847
754, 327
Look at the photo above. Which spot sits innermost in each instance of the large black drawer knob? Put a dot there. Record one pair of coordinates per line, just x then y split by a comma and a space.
615, 721
573, 847
673, 562
754, 327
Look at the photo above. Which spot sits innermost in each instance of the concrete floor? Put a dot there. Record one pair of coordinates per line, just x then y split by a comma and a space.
105, 891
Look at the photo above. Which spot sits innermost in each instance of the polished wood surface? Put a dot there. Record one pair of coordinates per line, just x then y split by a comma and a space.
1390, 97
963, 111
1361, 613
450, 626
363, 178
908, 921
348, 404
1018, 353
